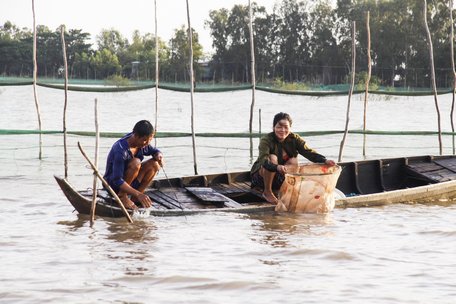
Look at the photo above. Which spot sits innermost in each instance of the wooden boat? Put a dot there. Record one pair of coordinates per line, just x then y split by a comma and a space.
365, 183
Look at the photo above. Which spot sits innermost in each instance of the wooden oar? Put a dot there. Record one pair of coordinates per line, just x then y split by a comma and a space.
105, 184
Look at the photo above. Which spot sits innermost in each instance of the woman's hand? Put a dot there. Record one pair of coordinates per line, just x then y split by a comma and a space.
330, 162
281, 169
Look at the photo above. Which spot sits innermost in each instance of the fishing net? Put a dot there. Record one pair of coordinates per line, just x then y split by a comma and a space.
91, 85
310, 188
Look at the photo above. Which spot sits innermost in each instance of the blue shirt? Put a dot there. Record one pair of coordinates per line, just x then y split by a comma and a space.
118, 159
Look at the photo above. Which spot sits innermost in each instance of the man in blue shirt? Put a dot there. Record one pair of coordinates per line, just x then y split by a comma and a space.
126, 172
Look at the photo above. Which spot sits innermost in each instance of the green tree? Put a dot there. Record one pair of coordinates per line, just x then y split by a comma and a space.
105, 64
112, 40
325, 52
77, 45
81, 65
231, 40
294, 39
264, 32
142, 51
15, 52
218, 28
49, 51
180, 54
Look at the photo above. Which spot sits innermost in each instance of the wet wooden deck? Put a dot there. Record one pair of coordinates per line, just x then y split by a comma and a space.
435, 171
232, 195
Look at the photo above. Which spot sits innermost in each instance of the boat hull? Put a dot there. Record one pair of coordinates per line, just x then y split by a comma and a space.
418, 179
82, 205
422, 194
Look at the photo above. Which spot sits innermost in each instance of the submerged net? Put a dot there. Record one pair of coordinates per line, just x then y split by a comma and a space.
309, 189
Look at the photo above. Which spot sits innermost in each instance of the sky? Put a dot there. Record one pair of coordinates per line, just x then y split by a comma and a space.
125, 16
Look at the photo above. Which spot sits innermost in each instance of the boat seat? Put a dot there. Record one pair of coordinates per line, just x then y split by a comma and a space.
361, 178
370, 177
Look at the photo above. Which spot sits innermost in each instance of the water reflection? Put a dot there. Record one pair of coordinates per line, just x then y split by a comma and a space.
119, 229
127, 245
139, 231
275, 229
80, 222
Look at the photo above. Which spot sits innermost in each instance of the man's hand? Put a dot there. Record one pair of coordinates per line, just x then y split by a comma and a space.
144, 199
159, 158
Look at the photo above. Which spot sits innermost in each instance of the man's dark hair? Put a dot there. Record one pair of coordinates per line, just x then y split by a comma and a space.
279, 116
143, 128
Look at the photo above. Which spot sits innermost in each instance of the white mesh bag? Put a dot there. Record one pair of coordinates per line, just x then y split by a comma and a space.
310, 188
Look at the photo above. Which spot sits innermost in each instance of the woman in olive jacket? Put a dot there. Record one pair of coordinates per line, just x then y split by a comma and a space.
278, 153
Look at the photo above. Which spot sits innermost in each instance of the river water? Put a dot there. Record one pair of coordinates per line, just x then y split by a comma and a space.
49, 254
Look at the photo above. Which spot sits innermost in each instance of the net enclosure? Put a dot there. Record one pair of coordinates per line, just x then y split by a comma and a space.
309, 188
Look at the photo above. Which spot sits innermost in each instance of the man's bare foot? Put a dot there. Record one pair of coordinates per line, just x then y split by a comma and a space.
128, 203
270, 197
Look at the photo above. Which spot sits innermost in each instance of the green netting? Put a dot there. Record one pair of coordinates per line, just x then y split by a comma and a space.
98, 88
19, 83
410, 93
306, 93
316, 90
223, 135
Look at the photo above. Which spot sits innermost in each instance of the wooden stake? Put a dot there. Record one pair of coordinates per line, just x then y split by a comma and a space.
105, 184
434, 87
35, 73
350, 93
252, 72
252, 66
97, 139
454, 72
259, 121
369, 71
65, 64
156, 71
192, 87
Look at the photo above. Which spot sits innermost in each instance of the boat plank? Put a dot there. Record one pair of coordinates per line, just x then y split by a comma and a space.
236, 188
449, 163
210, 195
163, 199
436, 171
229, 189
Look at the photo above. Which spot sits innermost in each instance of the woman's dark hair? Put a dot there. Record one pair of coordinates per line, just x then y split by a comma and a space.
279, 116
143, 128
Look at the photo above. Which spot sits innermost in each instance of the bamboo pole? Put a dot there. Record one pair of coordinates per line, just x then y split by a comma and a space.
192, 88
252, 72
259, 121
454, 73
65, 64
434, 87
350, 93
369, 72
105, 184
35, 73
97, 140
156, 70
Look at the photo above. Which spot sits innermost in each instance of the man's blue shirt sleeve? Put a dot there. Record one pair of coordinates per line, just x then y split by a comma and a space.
150, 151
118, 167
